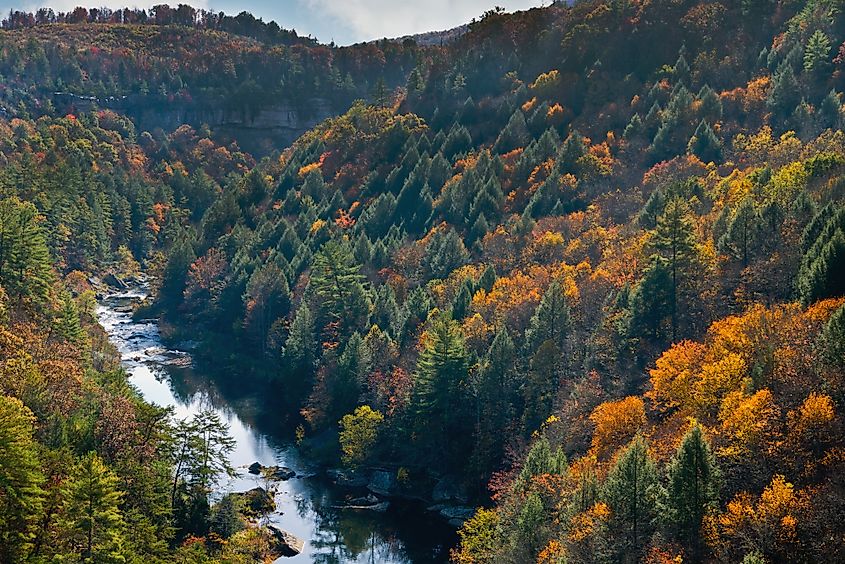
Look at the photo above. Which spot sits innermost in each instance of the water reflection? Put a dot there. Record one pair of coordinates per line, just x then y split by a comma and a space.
306, 504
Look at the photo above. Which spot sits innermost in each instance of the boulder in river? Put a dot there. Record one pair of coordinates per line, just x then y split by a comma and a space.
112, 280
257, 501
281, 473
448, 489
456, 515
284, 543
382, 482
347, 478
277, 473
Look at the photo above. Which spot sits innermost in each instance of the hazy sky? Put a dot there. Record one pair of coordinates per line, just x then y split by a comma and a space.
344, 21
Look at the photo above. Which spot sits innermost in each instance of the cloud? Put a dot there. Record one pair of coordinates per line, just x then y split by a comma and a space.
374, 19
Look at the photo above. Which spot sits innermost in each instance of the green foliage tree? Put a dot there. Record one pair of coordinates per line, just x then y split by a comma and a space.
439, 396
337, 281
93, 525
675, 241
358, 434
693, 478
632, 491
704, 144
21, 495
817, 53
551, 320
25, 271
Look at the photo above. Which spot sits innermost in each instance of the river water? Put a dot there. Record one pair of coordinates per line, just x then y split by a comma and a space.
307, 504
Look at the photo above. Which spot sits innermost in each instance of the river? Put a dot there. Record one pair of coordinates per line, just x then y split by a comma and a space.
306, 504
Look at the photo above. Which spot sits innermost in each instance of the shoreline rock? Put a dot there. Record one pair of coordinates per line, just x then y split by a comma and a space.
285, 543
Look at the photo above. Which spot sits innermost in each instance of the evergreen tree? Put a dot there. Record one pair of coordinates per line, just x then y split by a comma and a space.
741, 233
693, 487
786, 92
445, 252
300, 351
632, 491
21, 495
830, 111
337, 281
67, 323
92, 521
439, 397
25, 271
551, 319
495, 390
817, 53
675, 241
704, 144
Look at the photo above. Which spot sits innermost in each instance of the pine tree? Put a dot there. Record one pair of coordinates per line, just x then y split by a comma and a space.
632, 491
337, 281
20, 480
693, 487
786, 92
67, 323
439, 394
495, 390
817, 53
675, 241
25, 271
300, 350
830, 111
741, 233
704, 144
551, 319
92, 521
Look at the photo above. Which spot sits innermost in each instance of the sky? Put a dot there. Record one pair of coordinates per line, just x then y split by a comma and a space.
341, 21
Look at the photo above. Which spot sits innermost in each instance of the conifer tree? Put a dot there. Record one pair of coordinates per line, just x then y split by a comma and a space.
21, 495
704, 144
632, 491
551, 319
439, 395
92, 521
693, 487
675, 241
67, 323
337, 281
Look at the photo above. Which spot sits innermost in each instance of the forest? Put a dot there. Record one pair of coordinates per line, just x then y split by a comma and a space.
586, 261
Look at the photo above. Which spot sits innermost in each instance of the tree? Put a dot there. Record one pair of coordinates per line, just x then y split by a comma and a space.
439, 397
20, 480
67, 323
693, 487
25, 271
817, 53
704, 144
741, 233
358, 434
93, 522
785, 93
651, 300
480, 542
616, 423
200, 455
551, 319
265, 300
495, 390
337, 281
675, 241
632, 492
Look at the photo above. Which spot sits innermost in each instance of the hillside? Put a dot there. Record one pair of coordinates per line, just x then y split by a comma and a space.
584, 264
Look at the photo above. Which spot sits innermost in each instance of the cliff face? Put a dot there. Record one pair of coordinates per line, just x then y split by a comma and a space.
257, 130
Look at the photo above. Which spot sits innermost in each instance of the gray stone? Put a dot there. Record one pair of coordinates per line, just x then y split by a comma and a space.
285, 543
382, 482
